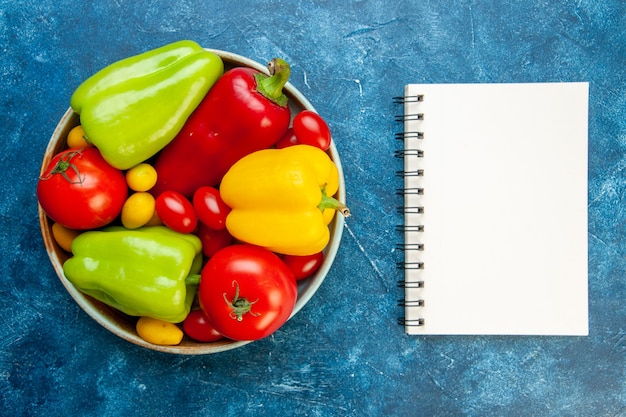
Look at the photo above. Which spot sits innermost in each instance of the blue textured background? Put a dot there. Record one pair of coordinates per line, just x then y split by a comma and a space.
343, 354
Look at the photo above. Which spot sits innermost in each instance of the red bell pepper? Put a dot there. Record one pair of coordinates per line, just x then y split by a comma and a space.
245, 111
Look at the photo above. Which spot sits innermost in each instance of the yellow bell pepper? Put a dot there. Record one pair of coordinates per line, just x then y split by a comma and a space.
281, 199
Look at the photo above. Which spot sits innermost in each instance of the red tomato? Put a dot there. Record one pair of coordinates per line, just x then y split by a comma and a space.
198, 327
176, 212
311, 129
213, 240
247, 292
304, 266
80, 190
288, 139
210, 207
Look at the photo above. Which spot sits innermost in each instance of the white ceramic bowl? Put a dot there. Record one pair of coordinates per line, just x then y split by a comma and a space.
123, 325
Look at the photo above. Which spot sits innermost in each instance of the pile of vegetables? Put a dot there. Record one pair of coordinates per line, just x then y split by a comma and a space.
187, 196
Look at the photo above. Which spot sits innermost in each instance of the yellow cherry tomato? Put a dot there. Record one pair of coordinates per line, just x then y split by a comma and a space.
138, 210
76, 138
64, 236
141, 177
159, 332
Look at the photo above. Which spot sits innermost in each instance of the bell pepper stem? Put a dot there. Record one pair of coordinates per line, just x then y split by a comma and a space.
271, 86
334, 204
193, 279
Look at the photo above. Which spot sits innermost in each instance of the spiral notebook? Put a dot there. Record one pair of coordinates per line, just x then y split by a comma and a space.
495, 208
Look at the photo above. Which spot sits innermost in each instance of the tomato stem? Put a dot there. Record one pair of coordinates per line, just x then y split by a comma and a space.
62, 166
240, 306
272, 87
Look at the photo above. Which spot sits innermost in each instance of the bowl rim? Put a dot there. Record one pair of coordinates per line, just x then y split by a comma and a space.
93, 308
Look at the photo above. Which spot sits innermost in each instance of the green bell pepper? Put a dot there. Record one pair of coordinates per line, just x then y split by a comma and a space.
133, 108
141, 272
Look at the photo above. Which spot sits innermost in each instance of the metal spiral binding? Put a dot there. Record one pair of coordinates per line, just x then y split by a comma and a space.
413, 284
410, 210
416, 173
410, 303
402, 321
413, 265
408, 99
409, 117
410, 228
409, 246
409, 135
409, 265
405, 191
407, 152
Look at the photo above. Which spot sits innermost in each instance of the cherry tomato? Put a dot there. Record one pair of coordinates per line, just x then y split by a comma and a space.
176, 212
213, 240
247, 292
138, 210
288, 139
80, 190
210, 207
198, 327
64, 236
76, 138
141, 177
311, 129
158, 332
304, 266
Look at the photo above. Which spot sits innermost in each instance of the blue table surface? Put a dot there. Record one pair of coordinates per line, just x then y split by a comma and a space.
343, 354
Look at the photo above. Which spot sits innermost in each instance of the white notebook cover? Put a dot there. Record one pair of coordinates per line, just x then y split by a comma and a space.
505, 208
